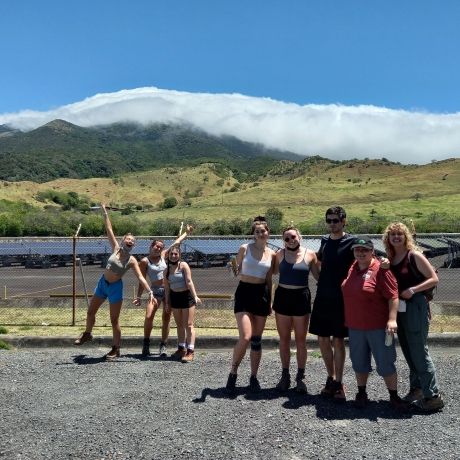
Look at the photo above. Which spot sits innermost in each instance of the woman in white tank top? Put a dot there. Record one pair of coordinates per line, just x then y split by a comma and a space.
252, 301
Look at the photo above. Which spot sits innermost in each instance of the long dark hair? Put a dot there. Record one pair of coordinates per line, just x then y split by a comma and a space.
172, 248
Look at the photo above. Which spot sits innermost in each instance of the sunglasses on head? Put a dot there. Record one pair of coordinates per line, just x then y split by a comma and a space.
332, 221
289, 238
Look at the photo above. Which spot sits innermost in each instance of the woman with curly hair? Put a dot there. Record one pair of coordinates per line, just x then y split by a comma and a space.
415, 276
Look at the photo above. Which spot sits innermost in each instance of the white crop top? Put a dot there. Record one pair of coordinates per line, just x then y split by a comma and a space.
253, 267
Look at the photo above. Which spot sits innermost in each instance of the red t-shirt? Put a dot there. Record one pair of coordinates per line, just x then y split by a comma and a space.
366, 294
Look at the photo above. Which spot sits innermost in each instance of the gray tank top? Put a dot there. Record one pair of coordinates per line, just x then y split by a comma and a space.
115, 265
177, 281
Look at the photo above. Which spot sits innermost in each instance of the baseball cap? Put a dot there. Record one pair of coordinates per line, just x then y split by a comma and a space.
362, 242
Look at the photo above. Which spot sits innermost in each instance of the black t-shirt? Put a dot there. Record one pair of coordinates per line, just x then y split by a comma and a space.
336, 258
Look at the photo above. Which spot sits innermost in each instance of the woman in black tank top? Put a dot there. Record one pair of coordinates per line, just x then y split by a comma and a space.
413, 315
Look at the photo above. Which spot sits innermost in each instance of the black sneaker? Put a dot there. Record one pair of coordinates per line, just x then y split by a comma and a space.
328, 389
254, 385
284, 383
361, 400
146, 348
230, 388
399, 404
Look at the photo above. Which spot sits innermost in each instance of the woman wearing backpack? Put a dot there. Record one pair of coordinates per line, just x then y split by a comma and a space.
415, 275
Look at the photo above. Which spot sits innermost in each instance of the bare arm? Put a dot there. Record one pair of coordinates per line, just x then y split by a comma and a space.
427, 271
392, 312
314, 266
269, 280
108, 228
189, 282
140, 288
140, 276
276, 263
239, 257
178, 240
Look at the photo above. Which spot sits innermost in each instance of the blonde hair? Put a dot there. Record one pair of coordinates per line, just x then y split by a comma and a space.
409, 242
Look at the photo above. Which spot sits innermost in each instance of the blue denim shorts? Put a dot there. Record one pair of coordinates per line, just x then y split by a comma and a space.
112, 291
158, 292
363, 344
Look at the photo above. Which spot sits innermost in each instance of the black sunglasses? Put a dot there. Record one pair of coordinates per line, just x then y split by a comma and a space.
289, 238
332, 221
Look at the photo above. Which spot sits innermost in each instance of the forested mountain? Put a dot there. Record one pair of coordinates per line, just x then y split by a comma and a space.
62, 150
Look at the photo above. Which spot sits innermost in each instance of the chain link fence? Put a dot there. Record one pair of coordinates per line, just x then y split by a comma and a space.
49, 281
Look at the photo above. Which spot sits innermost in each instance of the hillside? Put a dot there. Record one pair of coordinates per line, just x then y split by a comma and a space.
301, 190
62, 150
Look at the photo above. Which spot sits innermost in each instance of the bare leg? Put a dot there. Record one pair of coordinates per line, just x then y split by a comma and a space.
115, 309
391, 381
339, 357
245, 332
165, 320
150, 311
300, 333
178, 318
325, 345
284, 325
258, 325
189, 320
93, 308
361, 379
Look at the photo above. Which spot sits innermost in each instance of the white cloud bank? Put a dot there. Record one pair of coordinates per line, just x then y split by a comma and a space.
333, 131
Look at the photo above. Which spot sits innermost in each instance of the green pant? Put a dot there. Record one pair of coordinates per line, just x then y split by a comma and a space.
413, 328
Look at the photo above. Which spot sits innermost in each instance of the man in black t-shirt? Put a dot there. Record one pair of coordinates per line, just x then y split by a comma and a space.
327, 320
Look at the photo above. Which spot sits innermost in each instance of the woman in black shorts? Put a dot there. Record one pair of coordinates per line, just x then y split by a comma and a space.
292, 304
252, 301
181, 296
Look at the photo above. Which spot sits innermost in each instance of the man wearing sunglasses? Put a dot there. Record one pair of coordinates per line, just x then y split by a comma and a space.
327, 320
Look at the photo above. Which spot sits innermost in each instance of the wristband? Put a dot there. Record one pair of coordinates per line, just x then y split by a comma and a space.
411, 290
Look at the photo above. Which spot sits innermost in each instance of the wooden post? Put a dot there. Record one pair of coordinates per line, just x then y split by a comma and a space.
74, 270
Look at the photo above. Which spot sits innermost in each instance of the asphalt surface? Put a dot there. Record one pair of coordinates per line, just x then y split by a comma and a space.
67, 403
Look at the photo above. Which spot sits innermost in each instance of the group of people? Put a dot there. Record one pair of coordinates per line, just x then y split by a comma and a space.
171, 285
358, 296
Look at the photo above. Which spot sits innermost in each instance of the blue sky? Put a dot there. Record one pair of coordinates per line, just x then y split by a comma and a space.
397, 55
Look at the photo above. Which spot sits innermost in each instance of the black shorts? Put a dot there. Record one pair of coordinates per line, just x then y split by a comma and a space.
181, 299
252, 298
328, 316
292, 302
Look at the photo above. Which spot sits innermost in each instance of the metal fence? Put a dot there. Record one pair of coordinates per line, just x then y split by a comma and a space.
48, 281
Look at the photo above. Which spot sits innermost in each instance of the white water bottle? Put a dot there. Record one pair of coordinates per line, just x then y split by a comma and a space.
388, 339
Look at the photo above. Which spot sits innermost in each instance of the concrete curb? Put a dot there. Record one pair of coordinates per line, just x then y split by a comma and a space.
204, 342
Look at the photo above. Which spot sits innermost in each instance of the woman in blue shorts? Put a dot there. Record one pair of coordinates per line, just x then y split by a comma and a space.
292, 304
252, 301
110, 286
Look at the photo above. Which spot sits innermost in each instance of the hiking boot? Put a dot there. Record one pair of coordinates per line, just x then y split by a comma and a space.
338, 392
414, 395
327, 391
284, 383
179, 353
146, 348
429, 404
361, 400
300, 386
113, 354
163, 351
230, 388
399, 404
189, 355
85, 337
254, 385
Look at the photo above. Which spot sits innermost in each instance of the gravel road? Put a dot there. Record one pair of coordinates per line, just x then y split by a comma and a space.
68, 404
